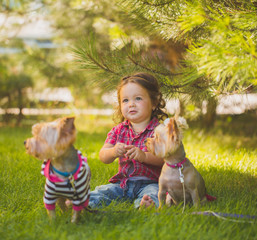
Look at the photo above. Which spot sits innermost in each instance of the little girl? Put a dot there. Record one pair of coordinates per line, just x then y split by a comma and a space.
139, 111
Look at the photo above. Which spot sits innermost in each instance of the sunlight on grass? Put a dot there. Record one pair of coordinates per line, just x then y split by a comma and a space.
212, 150
94, 124
228, 168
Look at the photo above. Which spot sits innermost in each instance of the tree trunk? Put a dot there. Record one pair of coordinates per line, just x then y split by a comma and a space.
210, 116
7, 116
20, 105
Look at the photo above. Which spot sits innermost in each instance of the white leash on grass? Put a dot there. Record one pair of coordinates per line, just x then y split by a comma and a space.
211, 213
181, 178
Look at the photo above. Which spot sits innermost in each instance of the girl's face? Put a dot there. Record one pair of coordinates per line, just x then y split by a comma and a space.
135, 103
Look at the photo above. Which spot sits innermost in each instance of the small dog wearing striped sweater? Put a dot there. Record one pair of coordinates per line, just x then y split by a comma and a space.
66, 170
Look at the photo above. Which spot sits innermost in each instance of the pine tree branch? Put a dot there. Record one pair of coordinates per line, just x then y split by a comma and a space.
150, 69
87, 52
163, 23
187, 83
172, 86
156, 5
103, 66
244, 30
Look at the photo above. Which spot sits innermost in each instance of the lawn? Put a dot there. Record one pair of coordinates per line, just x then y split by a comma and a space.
226, 157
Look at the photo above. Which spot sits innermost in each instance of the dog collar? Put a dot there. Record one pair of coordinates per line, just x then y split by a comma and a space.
177, 165
66, 174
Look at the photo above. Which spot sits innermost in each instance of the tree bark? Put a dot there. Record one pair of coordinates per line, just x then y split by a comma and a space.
210, 116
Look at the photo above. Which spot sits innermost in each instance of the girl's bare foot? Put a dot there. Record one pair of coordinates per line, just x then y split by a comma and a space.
146, 202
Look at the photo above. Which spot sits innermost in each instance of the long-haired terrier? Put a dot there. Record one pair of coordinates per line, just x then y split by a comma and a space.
66, 170
179, 178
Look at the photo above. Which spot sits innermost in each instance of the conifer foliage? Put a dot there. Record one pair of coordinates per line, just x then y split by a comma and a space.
219, 39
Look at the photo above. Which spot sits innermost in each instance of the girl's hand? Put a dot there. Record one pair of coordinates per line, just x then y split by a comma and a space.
119, 150
135, 153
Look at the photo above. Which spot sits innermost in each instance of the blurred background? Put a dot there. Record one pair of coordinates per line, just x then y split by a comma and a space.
66, 56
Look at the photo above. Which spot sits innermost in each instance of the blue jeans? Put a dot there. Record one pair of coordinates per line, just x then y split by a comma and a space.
135, 190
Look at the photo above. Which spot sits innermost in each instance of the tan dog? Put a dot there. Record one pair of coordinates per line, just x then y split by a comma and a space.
179, 177
66, 170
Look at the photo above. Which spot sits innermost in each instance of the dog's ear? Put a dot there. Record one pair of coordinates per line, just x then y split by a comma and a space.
36, 129
67, 134
182, 123
172, 126
173, 129
67, 124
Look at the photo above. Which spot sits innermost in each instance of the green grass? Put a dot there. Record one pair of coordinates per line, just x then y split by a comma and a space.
226, 157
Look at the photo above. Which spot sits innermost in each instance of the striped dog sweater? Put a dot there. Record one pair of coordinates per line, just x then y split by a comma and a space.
76, 187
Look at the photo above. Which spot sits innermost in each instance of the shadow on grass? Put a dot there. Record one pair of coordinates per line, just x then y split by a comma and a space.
231, 187
238, 131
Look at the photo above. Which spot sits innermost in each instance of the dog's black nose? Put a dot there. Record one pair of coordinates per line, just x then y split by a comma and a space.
25, 142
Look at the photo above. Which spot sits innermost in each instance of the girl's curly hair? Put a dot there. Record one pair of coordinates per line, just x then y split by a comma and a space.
150, 83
